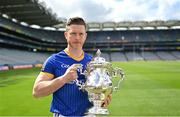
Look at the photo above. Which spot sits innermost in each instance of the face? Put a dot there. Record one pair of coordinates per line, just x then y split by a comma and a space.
76, 36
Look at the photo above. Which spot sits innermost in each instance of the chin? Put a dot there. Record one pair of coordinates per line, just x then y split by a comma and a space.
78, 46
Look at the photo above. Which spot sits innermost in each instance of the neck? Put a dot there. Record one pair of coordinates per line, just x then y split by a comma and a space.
77, 54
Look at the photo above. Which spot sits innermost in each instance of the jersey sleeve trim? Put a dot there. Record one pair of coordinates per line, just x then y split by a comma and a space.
47, 74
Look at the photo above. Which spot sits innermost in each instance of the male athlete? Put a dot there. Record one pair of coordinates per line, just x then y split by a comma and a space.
60, 71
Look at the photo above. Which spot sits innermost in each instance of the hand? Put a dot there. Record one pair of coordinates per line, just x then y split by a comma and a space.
71, 73
107, 100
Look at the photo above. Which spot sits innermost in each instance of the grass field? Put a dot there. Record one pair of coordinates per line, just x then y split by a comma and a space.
150, 89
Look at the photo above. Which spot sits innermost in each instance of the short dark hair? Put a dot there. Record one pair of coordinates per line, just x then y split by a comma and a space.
75, 20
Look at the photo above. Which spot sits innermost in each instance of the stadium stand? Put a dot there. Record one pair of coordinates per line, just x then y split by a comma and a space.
116, 45
133, 56
176, 54
12, 56
150, 56
165, 56
118, 56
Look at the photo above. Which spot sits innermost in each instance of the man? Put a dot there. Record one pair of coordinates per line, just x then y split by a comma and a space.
59, 73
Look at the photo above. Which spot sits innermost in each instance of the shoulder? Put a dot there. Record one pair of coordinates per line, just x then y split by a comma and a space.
58, 55
51, 62
54, 57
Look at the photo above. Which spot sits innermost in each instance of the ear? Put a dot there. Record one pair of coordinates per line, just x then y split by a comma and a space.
65, 35
85, 35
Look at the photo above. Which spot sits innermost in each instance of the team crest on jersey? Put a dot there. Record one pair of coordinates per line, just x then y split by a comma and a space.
67, 66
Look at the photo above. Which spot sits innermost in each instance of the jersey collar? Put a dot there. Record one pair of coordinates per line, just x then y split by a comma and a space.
73, 57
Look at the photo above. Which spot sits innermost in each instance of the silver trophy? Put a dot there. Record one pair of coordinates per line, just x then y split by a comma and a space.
99, 74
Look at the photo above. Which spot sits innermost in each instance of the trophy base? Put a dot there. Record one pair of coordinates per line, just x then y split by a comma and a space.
98, 111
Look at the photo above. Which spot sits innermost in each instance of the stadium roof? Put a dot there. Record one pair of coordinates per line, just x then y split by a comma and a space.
29, 11
128, 25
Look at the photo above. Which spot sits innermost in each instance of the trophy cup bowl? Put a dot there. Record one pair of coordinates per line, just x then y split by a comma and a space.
99, 74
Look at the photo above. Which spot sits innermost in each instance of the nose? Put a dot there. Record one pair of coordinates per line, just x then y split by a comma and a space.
78, 36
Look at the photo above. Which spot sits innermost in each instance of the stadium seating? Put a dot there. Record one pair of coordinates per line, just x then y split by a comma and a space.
116, 45
150, 56
166, 56
176, 54
12, 56
41, 34
118, 56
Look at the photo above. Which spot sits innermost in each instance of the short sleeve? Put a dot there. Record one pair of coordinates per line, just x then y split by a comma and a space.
48, 66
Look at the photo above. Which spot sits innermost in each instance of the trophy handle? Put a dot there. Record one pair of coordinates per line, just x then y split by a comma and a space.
118, 72
80, 84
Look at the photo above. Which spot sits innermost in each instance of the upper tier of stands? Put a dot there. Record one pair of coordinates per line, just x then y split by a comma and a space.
94, 36
134, 35
41, 34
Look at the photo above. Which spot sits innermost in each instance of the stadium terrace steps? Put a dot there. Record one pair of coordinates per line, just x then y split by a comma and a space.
176, 54
106, 56
118, 56
133, 56
11, 56
165, 56
150, 56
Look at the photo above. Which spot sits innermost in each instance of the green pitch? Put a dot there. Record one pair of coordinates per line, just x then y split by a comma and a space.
150, 88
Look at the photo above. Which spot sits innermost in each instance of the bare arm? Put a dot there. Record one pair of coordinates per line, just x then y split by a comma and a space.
45, 85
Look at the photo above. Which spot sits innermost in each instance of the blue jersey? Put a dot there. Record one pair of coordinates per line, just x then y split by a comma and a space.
69, 100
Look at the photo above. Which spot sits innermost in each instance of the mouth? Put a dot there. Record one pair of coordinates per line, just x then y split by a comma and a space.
77, 43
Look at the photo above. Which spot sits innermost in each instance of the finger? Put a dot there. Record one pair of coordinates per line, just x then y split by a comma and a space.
103, 104
110, 97
73, 69
77, 66
106, 103
73, 74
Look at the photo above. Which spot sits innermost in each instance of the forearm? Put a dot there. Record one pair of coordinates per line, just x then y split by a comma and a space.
45, 88
44, 85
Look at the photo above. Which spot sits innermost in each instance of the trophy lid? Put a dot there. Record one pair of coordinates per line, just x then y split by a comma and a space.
98, 58
98, 61
98, 53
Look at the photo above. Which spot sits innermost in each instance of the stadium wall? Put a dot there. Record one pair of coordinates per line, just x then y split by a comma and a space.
25, 66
